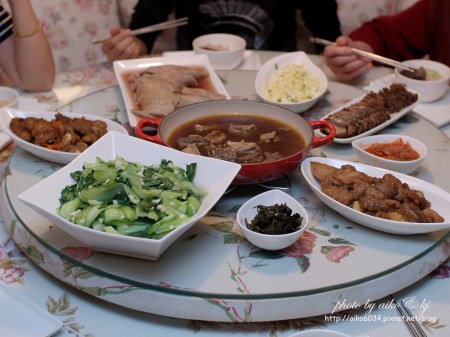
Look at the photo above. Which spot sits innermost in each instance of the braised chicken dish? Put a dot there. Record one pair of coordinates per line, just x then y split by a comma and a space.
238, 138
61, 134
374, 109
385, 197
160, 90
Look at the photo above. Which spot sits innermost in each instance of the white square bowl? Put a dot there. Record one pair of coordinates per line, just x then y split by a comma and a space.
213, 175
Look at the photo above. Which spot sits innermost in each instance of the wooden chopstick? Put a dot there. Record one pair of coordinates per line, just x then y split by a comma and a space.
371, 56
151, 28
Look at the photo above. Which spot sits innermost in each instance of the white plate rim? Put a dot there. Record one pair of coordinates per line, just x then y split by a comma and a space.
40, 316
123, 66
394, 117
431, 192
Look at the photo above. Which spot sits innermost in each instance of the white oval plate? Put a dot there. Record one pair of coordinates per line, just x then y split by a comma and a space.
59, 157
440, 199
394, 117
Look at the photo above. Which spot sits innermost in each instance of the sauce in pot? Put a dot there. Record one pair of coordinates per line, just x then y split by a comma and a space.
395, 150
239, 138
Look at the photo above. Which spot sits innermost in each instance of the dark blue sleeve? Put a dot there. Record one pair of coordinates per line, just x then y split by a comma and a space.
149, 12
321, 18
6, 24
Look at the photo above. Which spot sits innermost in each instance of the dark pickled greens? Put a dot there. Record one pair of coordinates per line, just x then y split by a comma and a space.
130, 198
274, 220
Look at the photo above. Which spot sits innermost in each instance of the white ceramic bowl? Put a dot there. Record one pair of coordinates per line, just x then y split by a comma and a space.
213, 175
318, 333
394, 165
429, 90
224, 51
60, 157
268, 71
9, 98
269, 198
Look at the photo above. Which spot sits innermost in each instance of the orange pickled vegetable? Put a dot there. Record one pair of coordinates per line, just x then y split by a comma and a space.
395, 150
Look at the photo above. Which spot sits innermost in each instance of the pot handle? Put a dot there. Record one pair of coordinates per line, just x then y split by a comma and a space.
148, 122
321, 124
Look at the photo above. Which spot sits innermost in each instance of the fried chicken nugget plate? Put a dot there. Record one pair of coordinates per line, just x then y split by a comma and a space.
48, 151
439, 199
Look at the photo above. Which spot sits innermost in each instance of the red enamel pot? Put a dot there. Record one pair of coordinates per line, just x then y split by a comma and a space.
249, 173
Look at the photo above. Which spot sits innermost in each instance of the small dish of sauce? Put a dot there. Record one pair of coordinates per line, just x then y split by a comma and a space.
398, 149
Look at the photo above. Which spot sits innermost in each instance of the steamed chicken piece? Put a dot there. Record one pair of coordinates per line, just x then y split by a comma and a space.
155, 97
197, 95
161, 89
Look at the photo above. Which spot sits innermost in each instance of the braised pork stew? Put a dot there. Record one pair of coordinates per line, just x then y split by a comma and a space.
240, 138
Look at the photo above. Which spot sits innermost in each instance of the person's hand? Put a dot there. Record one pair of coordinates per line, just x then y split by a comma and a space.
123, 45
341, 60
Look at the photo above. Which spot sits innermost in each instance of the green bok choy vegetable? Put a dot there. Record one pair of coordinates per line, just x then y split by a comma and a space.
130, 198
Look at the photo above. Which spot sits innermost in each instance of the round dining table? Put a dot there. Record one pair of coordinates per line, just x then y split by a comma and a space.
211, 282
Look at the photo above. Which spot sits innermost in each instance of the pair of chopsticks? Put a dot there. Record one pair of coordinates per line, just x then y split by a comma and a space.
151, 28
371, 56
409, 319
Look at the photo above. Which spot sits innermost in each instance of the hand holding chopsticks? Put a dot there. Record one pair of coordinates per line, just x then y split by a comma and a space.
151, 28
366, 54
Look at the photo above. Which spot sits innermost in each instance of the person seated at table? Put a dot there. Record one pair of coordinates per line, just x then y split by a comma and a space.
267, 25
418, 31
25, 54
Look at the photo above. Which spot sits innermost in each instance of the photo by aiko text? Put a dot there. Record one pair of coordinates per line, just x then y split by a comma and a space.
381, 311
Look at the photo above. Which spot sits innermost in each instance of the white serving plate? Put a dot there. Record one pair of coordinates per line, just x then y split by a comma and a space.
22, 318
212, 174
136, 65
394, 117
59, 157
440, 199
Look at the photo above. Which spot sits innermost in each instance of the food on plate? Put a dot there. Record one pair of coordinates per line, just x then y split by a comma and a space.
372, 110
385, 197
129, 198
293, 83
237, 138
396, 150
61, 134
215, 47
159, 90
430, 74
274, 220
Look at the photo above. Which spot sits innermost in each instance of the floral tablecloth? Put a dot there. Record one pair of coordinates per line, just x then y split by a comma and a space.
82, 315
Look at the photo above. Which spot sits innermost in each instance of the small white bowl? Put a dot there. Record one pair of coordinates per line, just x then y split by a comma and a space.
224, 51
9, 98
60, 157
394, 165
268, 72
318, 333
430, 90
270, 242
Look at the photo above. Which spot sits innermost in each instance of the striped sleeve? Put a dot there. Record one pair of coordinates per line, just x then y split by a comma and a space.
6, 24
